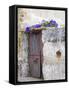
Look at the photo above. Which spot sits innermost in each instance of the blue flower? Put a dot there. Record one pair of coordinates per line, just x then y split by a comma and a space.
53, 22
37, 26
48, 25
27, 29
43, 21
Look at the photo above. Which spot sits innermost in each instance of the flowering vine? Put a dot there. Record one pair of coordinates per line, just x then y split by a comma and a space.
51, 23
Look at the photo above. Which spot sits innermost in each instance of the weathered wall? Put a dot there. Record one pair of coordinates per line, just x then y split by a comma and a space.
23, 66
53, 66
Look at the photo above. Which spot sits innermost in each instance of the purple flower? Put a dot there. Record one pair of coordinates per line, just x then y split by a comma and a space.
48, 25
43, 21
27, 29
37, 26
53, 22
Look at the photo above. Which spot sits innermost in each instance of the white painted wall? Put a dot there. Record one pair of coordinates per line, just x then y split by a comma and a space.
53, 67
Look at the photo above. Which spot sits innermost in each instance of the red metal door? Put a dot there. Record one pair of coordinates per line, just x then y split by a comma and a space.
34, 54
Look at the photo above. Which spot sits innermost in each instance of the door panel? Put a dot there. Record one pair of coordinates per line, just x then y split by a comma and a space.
34, 54
34, 44
34, 66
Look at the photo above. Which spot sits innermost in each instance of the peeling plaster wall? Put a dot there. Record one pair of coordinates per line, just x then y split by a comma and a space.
23, 66
53, 67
